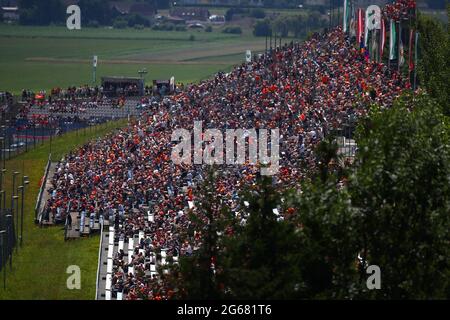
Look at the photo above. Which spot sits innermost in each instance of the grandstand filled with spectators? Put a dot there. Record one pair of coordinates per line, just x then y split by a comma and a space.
306, 90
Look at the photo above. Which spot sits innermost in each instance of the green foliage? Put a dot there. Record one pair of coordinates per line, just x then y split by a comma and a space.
195, 275
42, 12
392, 212
232, 30
401, 188
328, 241
261, 261
235, 10
96, 10
434, 63
280, 27
262, 28
258, 13
120, 24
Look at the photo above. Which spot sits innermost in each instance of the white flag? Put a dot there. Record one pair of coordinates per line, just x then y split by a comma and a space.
248, 56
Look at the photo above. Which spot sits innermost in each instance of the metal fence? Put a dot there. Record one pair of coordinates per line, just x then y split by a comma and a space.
37, 213
8, 241
345, 140
20, 135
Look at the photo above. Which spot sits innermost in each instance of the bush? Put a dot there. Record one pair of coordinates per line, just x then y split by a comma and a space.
120, 24
168, 26
258, 13
208, 29
135, 19
232, 30
232, 11
93, 24
191, 37
139, 27
180, 28
262, 29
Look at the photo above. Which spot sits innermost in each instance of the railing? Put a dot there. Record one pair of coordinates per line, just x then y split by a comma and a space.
38, 215
344, 138
65, 227
99, 258
7, 238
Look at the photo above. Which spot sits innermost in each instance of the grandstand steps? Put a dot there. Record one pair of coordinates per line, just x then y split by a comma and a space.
46, 195
74, 231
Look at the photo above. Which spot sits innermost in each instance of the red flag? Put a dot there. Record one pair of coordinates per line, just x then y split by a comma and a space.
383, 38
411, 39
360, 29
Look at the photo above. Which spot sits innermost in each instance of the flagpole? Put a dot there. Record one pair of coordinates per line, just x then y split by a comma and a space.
398, 45
416, 48
339, 11
416, 60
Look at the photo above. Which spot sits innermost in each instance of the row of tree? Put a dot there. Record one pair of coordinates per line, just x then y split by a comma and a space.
295, 25
94, 12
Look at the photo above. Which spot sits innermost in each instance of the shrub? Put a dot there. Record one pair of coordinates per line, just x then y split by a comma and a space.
258, 13
232, 30
120, 24
262, 29
93, 24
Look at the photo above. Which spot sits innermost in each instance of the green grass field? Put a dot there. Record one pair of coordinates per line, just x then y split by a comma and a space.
44, 57
39, 267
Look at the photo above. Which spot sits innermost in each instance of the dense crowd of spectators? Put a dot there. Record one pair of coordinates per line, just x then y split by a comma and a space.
400, 10
305, 90
6, 100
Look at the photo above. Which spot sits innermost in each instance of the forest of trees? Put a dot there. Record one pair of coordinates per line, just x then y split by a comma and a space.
295, 25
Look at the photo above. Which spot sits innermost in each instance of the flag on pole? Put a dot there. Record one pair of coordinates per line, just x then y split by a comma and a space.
95, 60
401, 50
352, 21
346, 15
248, 56
366, 29
392, 41
410, 55
359, 32
383, 38
416, 54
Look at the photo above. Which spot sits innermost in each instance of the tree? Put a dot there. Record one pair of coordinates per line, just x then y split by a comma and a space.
261, 259
434, 63
401, 188
327, 239
258, 13
280, 27
262, 28
296, 24
97, 10
42, 12
196, 275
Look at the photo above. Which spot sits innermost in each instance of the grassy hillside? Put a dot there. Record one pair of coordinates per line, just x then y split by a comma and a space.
39, 267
